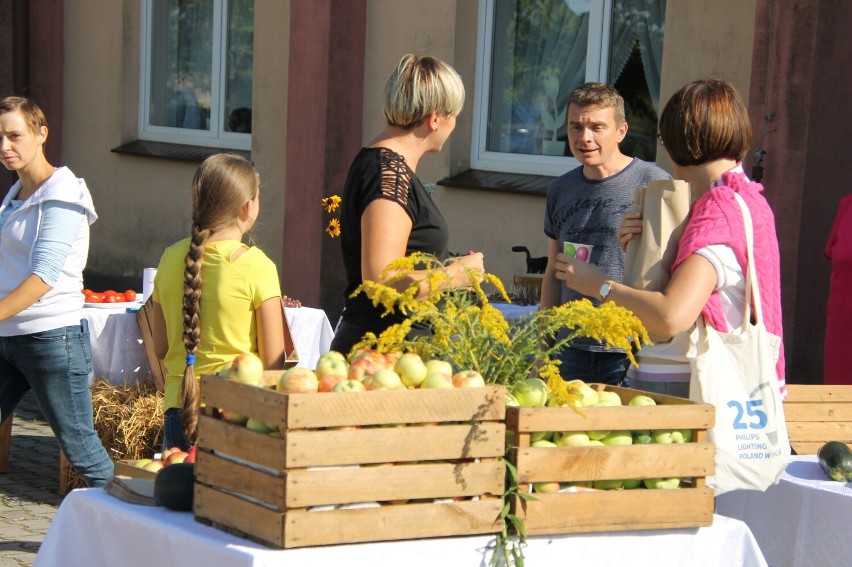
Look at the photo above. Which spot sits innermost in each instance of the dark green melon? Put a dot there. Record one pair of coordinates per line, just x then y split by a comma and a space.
174, 487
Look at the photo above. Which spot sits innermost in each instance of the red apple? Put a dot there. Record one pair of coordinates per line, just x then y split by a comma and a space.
391, 358
329, 381
190, 458
361, 368
468, 379
176, 457
247, 368
233, 417
411, 369
298, 380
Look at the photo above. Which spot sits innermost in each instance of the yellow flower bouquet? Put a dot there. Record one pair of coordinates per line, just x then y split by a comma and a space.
471, 333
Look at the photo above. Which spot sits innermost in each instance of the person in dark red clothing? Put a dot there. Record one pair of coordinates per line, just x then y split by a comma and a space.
838, 324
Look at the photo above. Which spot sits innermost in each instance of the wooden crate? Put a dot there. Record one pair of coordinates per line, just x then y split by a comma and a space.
310, 485
126, 468
620, 509
817, 414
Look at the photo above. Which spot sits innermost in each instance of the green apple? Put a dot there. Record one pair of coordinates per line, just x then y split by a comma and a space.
664, 483
512, 401
541, 436
140, 463
681, 436
384, 379
247, 368
572, 439
531, 392
545, 487
596, 443
439, 366
586, 394
331, 363
411, 369
630, 483
298, 380
468, 379
605, 404
642, 437
349, 386
597, 435
662, 436
542, 443
618, 438
607, 395
641, 400
608, 484
437, 380
258, 426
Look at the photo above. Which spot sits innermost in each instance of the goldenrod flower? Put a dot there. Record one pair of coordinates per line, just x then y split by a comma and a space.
331, 203
333, 228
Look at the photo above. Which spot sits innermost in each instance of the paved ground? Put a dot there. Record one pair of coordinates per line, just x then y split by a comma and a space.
29, 490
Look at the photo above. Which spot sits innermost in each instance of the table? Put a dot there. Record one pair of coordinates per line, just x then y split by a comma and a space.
91, 528
118, 354
515, 313
803, 520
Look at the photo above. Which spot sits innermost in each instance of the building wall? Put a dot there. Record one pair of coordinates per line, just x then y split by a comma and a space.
143, 202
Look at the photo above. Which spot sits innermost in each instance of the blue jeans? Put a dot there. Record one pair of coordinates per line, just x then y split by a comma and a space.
173, 431
56, 365
591, 366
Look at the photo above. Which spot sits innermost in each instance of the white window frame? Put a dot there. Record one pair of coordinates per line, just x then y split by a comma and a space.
597, 69
216, 136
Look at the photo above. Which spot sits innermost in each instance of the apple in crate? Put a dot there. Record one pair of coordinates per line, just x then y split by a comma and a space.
585, 394
298, 380
642, 401
384, 379
607, 396
258, 426
664, 483
329, 381
439, 366
572, 439
349, 386
331, 363
531, 393
246, 368
468, 379
411, 369
175, 457
437, 380
618, 438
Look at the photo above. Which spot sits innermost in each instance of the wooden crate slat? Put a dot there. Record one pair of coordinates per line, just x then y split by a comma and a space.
567, 464
393, 444
242, 443
819, 431
221, 508
236, 477
412, 521
308, 411
681, 416
799, 393
817, 411
305, 488
617, 510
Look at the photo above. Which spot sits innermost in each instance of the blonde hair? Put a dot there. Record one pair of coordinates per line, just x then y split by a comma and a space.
419, 86
221, 187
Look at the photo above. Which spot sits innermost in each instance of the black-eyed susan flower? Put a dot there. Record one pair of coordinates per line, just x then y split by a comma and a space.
330, 204
333, 228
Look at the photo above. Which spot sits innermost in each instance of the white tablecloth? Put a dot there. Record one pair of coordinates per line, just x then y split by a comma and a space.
92, 529
514, 313
806, 519
118, 354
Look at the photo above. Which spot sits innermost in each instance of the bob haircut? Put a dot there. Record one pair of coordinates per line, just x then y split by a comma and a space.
420, 86
705, 121
32, 113
599, 94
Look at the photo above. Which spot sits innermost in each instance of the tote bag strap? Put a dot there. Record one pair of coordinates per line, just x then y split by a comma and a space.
752, 287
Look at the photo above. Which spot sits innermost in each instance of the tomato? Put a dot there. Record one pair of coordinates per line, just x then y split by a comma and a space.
120, 298
95, 298
111, 298
129, 295
110, 292
87, 291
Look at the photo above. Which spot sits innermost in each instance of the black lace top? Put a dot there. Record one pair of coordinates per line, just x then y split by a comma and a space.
379, 173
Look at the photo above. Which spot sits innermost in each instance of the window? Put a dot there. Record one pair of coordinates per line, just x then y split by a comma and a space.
196, 84
532, 53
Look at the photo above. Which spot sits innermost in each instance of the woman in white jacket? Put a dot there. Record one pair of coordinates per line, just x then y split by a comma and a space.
44, 244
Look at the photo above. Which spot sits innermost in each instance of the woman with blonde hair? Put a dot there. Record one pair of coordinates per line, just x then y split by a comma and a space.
386, 211
214, 297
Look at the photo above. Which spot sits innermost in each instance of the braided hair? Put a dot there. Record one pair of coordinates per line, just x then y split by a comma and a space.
221, 187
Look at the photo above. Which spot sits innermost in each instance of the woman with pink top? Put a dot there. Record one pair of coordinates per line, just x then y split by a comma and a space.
706, 131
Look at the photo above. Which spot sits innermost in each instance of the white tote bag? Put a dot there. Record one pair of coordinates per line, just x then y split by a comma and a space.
736, 373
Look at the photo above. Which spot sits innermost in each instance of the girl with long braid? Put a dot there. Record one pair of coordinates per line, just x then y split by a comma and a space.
241, 307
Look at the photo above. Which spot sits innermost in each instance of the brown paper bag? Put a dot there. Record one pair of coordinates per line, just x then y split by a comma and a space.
664, 205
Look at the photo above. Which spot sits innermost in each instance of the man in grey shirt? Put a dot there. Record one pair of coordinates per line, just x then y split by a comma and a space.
584, 208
